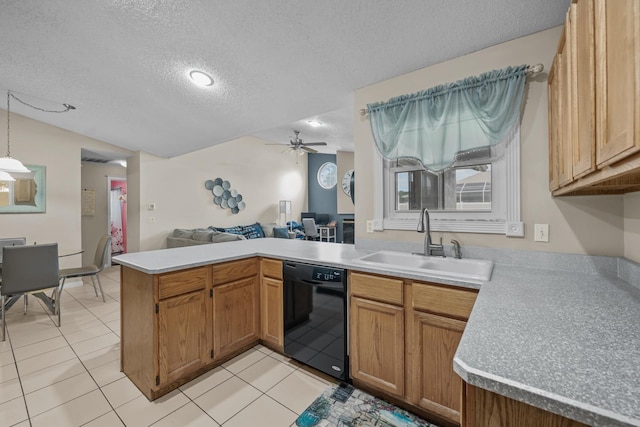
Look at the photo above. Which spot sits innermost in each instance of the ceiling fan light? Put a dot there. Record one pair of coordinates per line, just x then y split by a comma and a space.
9, 164
201, 78
4, 176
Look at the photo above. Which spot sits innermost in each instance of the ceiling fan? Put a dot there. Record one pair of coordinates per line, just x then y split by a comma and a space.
300, 147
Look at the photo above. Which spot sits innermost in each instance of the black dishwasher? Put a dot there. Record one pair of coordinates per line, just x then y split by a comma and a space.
315, 317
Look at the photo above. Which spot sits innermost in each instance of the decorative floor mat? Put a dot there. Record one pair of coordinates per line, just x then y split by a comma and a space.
343, 405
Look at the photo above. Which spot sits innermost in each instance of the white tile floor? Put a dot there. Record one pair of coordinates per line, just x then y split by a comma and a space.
70, 376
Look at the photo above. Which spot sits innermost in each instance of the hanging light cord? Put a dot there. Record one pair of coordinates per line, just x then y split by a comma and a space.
10, 95
67, 107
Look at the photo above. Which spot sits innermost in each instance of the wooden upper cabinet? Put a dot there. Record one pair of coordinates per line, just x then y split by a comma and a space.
594, 100
617, 26
582, 80
554, 124
565, 175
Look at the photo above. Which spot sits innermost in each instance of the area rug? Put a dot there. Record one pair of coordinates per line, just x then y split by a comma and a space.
343, 405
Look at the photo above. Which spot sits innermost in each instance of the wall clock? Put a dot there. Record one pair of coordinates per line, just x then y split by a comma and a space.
346, 182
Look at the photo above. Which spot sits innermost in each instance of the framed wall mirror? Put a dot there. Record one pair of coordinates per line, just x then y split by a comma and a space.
27, 194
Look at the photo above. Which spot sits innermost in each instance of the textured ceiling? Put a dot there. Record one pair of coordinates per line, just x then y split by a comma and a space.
276, 63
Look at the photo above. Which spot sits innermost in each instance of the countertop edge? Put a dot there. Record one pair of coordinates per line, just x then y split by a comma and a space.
558, 404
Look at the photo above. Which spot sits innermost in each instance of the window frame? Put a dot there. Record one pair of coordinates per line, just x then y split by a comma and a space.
504, 217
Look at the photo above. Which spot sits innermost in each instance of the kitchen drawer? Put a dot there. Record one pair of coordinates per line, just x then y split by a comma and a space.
445, 300
272, 268
234, 270
182, 282
384, 289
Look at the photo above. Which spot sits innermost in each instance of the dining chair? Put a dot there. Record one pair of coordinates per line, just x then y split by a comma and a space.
26, 269
99, 261
11, 241
310, 229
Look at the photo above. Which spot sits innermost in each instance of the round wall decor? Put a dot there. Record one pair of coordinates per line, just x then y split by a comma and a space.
224, 195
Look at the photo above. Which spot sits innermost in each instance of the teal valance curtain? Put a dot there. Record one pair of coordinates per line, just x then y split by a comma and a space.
436, 124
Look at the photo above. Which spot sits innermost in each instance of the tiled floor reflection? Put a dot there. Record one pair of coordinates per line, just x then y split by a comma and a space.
70, 376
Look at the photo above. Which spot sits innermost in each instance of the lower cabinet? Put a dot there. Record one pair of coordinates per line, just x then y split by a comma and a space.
434, 385
377, 344
271, 304
178, 325
236, 312
487, 409
183, 338
404, 335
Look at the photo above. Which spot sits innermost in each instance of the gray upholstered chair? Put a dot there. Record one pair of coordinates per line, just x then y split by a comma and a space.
310, 229
99, 261
11, 241
29, 268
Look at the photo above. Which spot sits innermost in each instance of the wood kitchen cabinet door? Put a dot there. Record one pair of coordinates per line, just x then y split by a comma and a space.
553, 89
565, 174
377, 345
433, 385
183, 339
236, 315
583, 87
271, 312
617, 27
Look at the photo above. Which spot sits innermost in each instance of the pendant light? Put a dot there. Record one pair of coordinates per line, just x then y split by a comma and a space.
4, 176
8, 164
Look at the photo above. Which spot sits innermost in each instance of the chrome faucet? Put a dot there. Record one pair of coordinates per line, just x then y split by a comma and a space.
424, 226
456, 249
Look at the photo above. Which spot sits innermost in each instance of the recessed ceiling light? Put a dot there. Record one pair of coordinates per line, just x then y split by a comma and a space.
200, 78
314, 123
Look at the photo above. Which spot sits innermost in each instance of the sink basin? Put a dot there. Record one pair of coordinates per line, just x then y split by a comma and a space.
466, 270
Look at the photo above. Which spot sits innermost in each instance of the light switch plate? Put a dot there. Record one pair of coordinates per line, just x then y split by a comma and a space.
515, 229
541, 233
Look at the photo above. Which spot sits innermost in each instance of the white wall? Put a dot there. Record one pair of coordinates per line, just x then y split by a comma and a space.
94, 176
37, 143
262, 174
632, 226
592, 225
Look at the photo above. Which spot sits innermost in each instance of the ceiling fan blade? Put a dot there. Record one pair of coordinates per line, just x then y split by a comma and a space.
314, 143
275, 144
308, 150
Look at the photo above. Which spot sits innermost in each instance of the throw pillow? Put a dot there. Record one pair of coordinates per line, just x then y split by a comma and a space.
219, 237
267, 228
281, 232
253, 231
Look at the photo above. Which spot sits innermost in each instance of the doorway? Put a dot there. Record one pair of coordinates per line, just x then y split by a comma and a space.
117, 215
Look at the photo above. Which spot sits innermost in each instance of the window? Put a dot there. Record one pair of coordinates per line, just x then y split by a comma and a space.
480, 193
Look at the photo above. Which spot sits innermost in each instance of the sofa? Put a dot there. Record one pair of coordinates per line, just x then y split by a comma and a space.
202, 236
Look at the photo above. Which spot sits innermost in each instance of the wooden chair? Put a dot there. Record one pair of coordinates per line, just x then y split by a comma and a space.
29, 268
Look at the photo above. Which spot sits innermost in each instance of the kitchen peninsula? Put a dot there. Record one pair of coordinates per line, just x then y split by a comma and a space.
565, 341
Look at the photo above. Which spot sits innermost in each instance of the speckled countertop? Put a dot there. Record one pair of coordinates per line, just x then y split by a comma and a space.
566, 342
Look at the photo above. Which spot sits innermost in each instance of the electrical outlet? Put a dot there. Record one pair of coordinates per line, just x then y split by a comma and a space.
541, 233
369, 226
151, 206
151, 219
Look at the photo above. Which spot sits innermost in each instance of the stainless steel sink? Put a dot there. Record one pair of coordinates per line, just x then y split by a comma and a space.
466, 270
